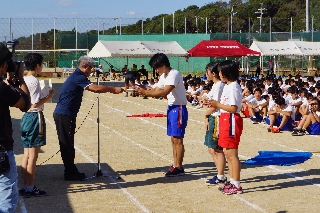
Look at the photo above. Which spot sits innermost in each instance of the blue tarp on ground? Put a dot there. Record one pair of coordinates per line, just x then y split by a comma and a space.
279, 158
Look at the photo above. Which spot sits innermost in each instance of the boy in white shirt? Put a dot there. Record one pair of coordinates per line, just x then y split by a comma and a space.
280, 116
171, 85
257, 107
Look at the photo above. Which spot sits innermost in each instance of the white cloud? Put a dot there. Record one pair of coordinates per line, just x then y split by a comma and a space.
131, 13
65, 3
74, 13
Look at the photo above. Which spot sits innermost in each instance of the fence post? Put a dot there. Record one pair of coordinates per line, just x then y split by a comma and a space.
185, 25
270, 31
142, 26
162, 25
32, 35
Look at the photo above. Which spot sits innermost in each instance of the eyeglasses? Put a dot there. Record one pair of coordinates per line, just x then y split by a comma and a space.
90, 66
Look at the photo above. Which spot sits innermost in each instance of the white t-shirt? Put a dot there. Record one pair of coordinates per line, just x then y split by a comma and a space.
291, 101
255, 102
33, 85
231, 95
178, 95
215, 94
249, 97
304, 101
287, 108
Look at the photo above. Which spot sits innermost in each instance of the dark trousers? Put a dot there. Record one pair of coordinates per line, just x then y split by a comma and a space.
66, 126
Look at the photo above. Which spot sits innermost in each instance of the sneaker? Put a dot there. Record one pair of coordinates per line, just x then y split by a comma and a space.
232, 190
199, 106
264, 120
227, 185
75, 177
34, 192
173, 171
275, 130
254, 121
21, 192
215, 180
301, 132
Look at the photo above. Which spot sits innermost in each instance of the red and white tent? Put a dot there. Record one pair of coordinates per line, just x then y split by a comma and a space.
221, 48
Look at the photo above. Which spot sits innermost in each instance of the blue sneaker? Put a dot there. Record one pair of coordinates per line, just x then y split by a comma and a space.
215, 180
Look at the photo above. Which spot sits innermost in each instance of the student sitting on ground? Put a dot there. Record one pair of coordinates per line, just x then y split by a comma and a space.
257, 107
311, 123
280, 116
304, 98
246, 97
295, 101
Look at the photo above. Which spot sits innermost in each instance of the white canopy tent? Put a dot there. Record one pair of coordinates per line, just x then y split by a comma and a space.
287, 48
107, 49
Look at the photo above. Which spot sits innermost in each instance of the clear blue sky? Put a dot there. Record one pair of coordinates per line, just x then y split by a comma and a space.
93, 8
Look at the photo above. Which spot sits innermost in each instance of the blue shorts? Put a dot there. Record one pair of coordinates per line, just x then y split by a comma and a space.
177, 118
258, 116
33, 129
287, 127
9, 187
314, 129
211, 138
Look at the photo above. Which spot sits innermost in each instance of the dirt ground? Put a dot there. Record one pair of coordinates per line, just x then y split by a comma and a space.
135, 151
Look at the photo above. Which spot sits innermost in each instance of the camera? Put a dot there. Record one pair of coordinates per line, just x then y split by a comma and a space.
11, 45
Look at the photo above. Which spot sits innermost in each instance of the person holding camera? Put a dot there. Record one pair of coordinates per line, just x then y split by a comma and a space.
17, 97
66, 111
33, 126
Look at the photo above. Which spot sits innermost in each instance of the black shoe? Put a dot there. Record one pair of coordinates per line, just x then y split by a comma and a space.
173, 171
34, 192
21, 192
75, 177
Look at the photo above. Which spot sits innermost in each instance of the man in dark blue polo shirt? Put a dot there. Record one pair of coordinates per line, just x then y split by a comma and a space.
66, 111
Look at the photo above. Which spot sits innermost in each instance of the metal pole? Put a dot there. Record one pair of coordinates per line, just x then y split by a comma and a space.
312, 29
249, 34
54, 33
185, 25
231, 21
98, 28
270, 31
162, 25
206, 25
54, 41
120, 25
142, 26
76, 33
291, 27
197, 23
99, 172
307, 15
173, 23
228, 27
32, 35
10, 28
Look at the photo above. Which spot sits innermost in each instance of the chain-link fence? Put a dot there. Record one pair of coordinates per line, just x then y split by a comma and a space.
71, 34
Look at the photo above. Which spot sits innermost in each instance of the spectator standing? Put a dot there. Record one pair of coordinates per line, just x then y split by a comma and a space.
66, 111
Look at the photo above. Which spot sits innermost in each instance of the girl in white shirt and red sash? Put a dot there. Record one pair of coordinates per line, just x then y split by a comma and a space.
230, 123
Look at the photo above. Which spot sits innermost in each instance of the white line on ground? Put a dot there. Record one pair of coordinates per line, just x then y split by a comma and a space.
256, 207
131, 197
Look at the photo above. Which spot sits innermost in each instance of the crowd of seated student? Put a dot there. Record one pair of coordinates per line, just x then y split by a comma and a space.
284, 105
